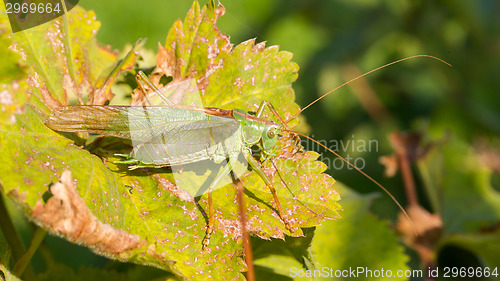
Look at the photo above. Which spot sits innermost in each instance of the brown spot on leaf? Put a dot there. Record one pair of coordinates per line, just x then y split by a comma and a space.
66, 214
230, 228
103, 95
165, 62
55, 37
19, 197
6, 98
29, 159
174, 189
219, 11
48, 99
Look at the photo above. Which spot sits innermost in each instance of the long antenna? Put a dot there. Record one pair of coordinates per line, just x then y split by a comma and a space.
363, 75
336, 154
364, 174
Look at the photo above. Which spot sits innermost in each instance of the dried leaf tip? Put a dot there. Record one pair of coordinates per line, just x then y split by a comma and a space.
66, 214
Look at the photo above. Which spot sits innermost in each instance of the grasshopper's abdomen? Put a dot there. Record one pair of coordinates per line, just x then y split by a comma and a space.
189, 151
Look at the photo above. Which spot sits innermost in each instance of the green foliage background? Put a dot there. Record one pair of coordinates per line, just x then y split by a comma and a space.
327, 39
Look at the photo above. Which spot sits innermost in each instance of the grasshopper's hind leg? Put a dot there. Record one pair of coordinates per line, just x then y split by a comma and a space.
210, 224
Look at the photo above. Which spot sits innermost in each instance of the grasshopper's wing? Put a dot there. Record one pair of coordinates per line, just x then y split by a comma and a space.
103, 120
161, 135
174, 136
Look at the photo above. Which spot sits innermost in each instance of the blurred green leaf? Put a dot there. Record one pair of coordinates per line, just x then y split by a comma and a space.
456, 174
485, 245
457, 177
359, 241
297, 33
277, 259
278, 267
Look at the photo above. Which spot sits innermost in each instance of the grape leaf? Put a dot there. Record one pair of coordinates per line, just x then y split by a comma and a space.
279, 259
458, 177
11, 74
10, 66
164, 225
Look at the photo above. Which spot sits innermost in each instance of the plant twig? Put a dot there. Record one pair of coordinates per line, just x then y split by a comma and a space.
21, 264
246, 237
401, 150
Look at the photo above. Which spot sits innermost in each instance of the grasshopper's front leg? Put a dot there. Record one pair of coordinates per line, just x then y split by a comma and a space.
256, 166
260, 112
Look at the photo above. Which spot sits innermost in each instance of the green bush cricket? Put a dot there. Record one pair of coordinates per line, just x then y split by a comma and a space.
172, 135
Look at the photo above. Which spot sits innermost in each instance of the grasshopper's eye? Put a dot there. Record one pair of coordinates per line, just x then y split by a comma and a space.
271, 134
269, 138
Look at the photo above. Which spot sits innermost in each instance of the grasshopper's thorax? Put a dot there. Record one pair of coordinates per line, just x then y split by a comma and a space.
258, 131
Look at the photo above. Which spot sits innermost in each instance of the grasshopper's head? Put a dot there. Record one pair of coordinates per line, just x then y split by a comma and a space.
269, 137
258, 131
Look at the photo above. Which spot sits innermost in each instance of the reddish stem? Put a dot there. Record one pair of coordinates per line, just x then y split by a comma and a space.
246, 237
399, 144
